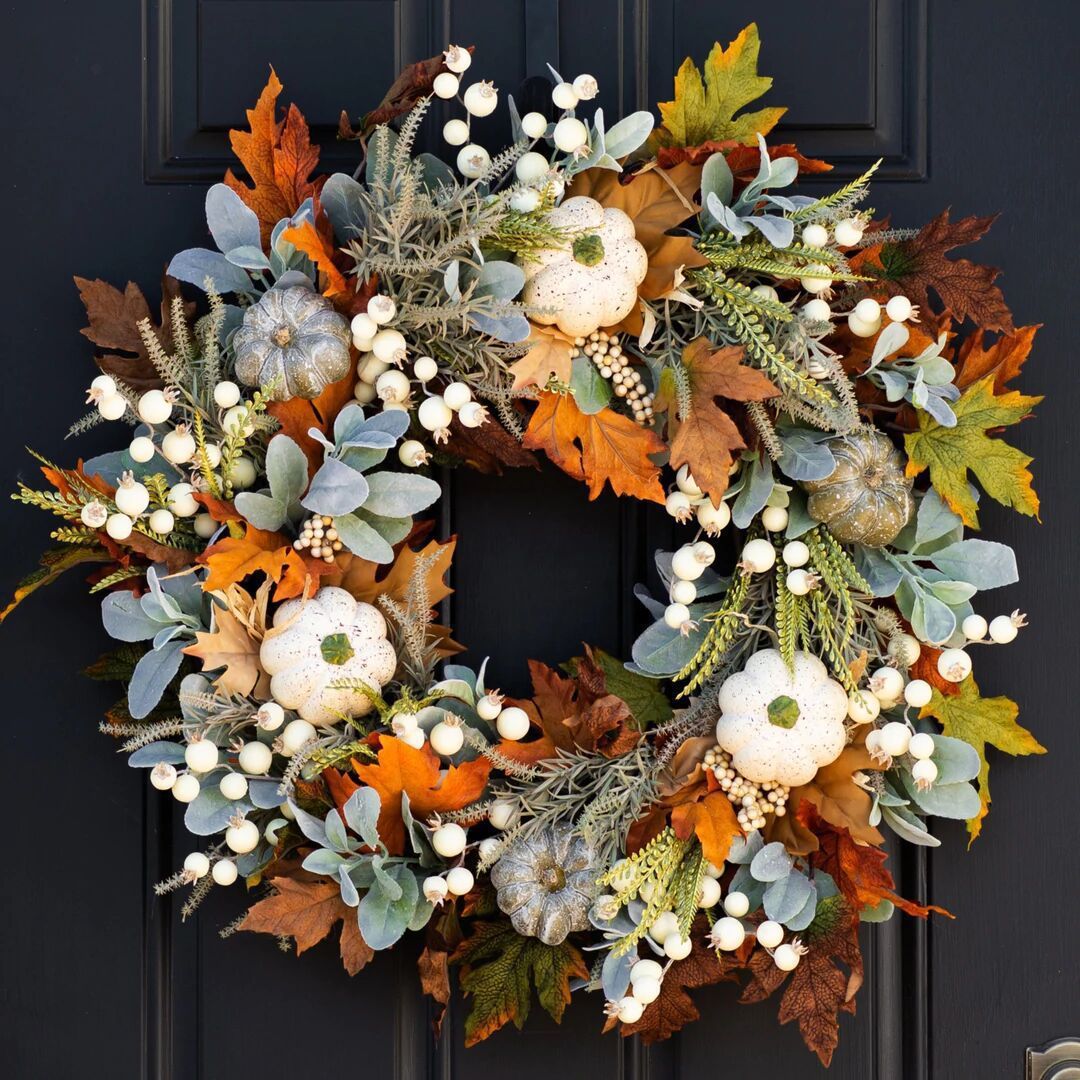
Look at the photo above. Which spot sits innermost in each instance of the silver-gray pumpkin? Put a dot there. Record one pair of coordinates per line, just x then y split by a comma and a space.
294, 338
546, 884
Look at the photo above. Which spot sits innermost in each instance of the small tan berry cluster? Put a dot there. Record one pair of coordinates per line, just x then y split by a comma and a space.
755, 801
319, 537
606, 353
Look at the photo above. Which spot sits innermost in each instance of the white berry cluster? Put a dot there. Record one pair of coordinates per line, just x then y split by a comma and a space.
319, 538
606, 353
688, 502
755, 801
155, 409
381, 376
449, 840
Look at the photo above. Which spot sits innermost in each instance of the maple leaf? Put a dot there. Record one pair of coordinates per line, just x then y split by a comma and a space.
279, 158
500, 969
399, 768
914, 267
233, 644
114, 317
707, 439
675, 1008
1003, 358
434, 969
712, 820
704, 109
656, 200
550, 354
486, 448
605, 447
982, 722
744, 161
306, 910
232, 559
298, 416
320, 251
858, 869
949, 453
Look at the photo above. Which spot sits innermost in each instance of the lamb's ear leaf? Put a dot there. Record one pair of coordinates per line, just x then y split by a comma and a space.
336, 489
263, 511
361, 539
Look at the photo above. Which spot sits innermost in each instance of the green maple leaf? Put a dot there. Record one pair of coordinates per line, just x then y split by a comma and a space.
949, 453
981, 722
500, 970
704, 108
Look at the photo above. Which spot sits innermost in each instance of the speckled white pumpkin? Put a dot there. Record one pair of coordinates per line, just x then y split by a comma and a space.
594, 281
306, 651
781, 724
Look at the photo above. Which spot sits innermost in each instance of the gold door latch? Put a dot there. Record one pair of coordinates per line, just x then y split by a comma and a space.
1057, 1060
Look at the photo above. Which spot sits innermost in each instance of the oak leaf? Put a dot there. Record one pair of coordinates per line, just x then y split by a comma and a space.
279, 158
500, 969
232, 559
233, 643
706, 439
306, 910
705, 109
858, 869
675, 1008
656, 200
950, 453
982, 722
913, 267
401, 769
550, 354
604, 448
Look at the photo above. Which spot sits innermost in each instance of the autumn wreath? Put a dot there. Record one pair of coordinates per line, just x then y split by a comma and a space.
654, 309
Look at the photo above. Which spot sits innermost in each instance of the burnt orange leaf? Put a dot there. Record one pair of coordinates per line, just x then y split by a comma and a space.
606, 447
657, 200
550, 354
401, 769
487, 448
915, 267
231, 559
306, 910
1004, 358
218, 509
712, 820
434, 968
306, 238
744, 161
279, 158
707, 439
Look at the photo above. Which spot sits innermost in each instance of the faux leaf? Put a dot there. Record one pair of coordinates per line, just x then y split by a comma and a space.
230, 645
232, 559
549, 355
606, 447
402, 769
913, 267
712, 820
706, 109
707, 439
320, 250
500, 969
982, 722
279, 158
306, 911
951, 452
1003, 358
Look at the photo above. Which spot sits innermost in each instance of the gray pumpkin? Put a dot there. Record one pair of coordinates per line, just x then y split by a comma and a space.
866, 499
546, 884
294, 338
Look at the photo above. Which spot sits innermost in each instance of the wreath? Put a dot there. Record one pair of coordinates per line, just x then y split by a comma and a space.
655, 310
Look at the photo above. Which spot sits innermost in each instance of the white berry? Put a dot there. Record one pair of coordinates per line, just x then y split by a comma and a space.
459, 880
586, 87
182, 500
154, 407
270, 716
530, 167
629, 1010
142, 449
664, 925
786, 958
758, 556
685, 482
710, 893
887, 684
242, 837
242, 474
898, 309
849, 232
645, 969
774, 518
868, 310
456, 394
201, 755
205, 526
446, 739
435, 889
676, 615
224, 872
295, 735
513, 723
863, 707
564, 96
765, 292
798, 582
132, 498
161, 522
392, 385
457, 59
472, 414
769, 934
895, 738
918, 693
1002, 629
974, 628
480, 99
924, 772
412, 454
795, 553
425, 369
534, 125
198, 864
233, 786
860, 328
729, 933
163, 776
237, 421
449, 840
921, 746
678, 506
954, 665
445, 85
489, 707
736, 904
226, 394
815, 235
817, 311
676, 947
502, 814
363, 326
434, 414
570, 134
119, 526
817, 279
713, 519
525, 200
186, 788
112, 406
645, 990
683, 592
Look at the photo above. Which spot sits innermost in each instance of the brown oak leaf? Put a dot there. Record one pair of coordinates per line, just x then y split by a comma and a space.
707, 438
604, 448
914, 267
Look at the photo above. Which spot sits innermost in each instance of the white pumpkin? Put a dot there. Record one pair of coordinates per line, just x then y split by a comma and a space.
594, 281
329, 638
781, 724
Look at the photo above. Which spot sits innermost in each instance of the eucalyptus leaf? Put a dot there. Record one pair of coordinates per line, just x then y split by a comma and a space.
382, 920
151, 677
771, 863
908, 827
195, 265
231, 221
628, 134
322, 861
125, 619
263, 511
342, 198
210, 812
615, 973
591, 390
361, 539
309, 825
983, 563
146, 757
361, 811
787, 896
956, 760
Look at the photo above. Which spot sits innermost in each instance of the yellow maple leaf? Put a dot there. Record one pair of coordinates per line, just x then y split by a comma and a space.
550, 355
981, 722
951, 452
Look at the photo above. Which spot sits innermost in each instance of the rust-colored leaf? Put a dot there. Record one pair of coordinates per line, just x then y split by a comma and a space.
279, 158
744, 161
232, 559
434, 968
605, 448
550, 354
1004, 358
712, 820
320, 250
487, 448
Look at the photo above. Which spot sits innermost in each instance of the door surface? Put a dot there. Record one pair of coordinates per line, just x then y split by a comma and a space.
115, 119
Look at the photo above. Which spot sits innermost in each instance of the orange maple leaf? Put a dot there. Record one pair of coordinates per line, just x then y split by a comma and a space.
232, 559
1005, 357
712, 820
401, 769
307, 239
606, 447
279, 157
